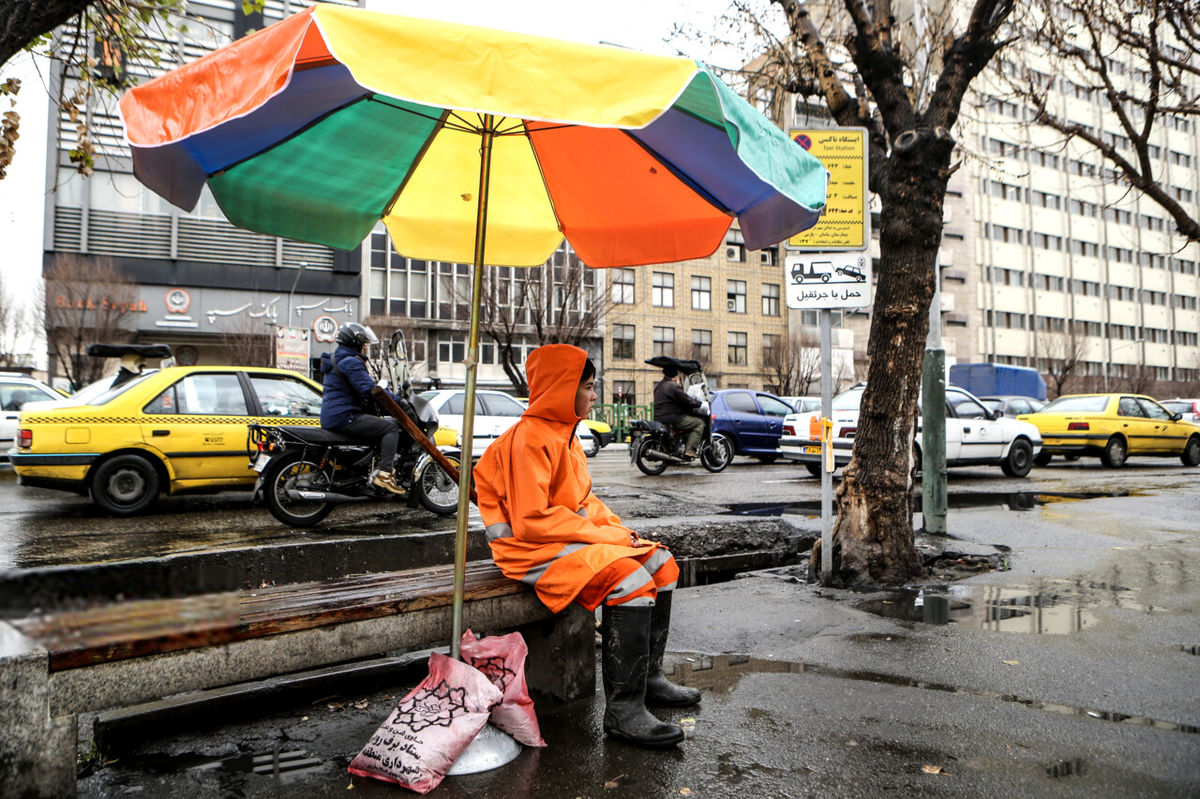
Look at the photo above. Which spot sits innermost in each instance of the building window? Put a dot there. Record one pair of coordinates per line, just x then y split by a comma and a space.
452, 348
623, 341
770, 348
737, 349
664, 341
770, 299
701, 293
735, 296
622, 286
624, 392
702, 345
662, 290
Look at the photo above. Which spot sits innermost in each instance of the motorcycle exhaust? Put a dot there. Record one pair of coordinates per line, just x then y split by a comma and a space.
662, 456
320, 496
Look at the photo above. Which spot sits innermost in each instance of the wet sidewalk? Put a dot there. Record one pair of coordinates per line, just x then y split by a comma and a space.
1073, 673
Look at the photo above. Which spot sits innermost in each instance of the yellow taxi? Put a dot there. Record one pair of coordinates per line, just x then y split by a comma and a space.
180, 429
1114, 427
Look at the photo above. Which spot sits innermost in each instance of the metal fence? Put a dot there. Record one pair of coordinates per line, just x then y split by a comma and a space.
618, 415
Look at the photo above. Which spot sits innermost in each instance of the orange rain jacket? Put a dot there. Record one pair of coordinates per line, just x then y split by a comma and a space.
545, 526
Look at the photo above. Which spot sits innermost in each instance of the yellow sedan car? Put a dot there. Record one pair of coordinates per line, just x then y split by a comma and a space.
1114, 427
180, 429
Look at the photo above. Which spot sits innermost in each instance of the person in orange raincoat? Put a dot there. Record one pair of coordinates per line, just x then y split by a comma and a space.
546, 528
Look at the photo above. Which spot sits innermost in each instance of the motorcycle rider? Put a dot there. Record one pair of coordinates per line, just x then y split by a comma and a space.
675, 408
344, 405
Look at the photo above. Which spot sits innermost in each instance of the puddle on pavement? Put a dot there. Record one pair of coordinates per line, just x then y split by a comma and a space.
1049, 609
721, 673
966, 500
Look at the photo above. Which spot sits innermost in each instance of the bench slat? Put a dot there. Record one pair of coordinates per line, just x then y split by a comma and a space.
132, 629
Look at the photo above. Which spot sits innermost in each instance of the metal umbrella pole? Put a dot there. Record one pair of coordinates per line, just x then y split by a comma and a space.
491, 748
487, 134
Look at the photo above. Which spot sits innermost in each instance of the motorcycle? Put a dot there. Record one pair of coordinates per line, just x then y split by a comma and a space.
304, 472
653, 446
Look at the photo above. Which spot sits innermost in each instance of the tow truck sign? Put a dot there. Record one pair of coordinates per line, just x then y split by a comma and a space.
828, 279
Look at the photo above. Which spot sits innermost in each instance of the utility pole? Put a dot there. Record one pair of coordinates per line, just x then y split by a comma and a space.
933, 418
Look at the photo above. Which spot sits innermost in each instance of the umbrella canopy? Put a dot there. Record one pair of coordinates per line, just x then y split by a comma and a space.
472, 145
320, 125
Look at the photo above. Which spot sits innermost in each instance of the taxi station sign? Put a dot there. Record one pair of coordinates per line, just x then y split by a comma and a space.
828, 266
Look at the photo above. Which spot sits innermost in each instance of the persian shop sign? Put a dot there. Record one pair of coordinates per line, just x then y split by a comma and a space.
103, 304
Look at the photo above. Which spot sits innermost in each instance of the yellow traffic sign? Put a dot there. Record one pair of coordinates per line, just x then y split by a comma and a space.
845, 222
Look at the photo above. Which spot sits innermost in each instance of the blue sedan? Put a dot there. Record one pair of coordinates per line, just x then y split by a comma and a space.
751, 420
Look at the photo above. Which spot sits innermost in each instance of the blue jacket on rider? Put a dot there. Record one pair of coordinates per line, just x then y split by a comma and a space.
346, 388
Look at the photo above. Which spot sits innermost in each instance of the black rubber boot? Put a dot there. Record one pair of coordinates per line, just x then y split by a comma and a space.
625, 658
660, 690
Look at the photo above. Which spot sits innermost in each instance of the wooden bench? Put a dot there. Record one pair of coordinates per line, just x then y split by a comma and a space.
55, 666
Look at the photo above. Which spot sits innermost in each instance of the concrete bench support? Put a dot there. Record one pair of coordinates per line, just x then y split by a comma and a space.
39, 708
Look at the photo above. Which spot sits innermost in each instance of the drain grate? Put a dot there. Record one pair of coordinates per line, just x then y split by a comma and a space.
1074, 767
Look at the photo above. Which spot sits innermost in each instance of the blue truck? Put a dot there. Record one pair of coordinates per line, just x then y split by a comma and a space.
998, 379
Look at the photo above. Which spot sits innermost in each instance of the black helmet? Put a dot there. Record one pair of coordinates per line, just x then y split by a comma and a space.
354, 335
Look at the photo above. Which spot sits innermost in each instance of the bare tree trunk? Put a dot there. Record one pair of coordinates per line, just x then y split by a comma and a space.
874, 526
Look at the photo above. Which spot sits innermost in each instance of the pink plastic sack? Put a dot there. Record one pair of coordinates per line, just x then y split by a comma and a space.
430, 727
502, 659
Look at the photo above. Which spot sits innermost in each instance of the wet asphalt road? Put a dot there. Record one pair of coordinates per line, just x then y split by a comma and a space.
1074, 673
39, 527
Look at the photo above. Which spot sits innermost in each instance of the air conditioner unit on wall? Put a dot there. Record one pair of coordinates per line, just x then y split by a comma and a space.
731, 306
733, 254
764, 258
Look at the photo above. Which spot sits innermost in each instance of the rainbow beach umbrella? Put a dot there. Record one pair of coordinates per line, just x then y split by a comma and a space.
473, 146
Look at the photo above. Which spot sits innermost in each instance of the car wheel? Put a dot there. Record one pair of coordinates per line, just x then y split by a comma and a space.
1191, 452
1042, 458
125, 485
593, 448
1019, 460
813, 468
1115, 452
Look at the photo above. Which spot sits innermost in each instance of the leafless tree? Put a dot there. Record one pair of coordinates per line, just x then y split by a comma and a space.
904, 80
16, 323
795, 365
1138, 379
1063, 354
247, 341
1142, 58
95, 42
560, 302
86, 302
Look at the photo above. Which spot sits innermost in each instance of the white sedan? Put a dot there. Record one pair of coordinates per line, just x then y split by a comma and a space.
974, 435
495, 412
17, 390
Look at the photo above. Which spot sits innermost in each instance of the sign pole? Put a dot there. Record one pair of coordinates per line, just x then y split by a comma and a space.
826, 445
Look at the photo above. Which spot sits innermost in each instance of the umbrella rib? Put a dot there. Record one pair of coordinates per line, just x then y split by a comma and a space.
291, 135
542, 173
683, 176
441, 123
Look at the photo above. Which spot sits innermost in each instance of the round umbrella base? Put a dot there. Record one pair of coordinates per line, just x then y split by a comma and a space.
490, 749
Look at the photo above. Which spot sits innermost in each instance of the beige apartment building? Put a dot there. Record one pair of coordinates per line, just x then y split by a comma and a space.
727, 311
